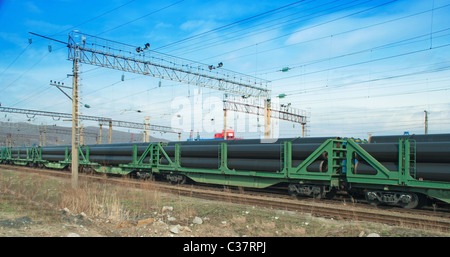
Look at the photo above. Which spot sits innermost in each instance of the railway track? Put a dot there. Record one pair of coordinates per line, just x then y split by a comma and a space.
339, 211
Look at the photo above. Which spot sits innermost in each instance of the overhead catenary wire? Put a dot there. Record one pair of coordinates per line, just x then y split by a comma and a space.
365, 62
292, 66
228, 25
444, 68
148, 14
85, 22
328, 21
90, 20
201, 45
15, 59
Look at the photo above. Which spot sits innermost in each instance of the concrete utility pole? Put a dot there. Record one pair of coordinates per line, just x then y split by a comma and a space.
225, 137
75, 121
267, 115
147, 129
426, 122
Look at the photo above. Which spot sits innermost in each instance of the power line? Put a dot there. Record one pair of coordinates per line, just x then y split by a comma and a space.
228, 25
34, 65
409, 68
326, 22
372, 80
96, 17
18, 56
334, 35
365, 62
92, 19
153, 12
279, 8
220, 40
4, 88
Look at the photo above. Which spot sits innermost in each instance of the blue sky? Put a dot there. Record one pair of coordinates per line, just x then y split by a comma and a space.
357, 66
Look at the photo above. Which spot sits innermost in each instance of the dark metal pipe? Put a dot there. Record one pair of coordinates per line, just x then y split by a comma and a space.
433, 171
54, 150
209, 148
270, 151
362, 168
424, 171
296, 140
302, 151
318, 166
233, 164
383, 152
53, 157
239, 164
201, 163
418, 138
195, 150
437, 152
117, 151
424, 151
268, 165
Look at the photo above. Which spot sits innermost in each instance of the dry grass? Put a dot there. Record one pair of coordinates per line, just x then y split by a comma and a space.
115, 203
95, 200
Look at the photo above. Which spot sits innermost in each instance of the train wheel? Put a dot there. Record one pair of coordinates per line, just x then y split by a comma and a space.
292, 191
371, 199
89, 170
317, 193
176, 179
145, 175
314, 191
331, 193
411, 201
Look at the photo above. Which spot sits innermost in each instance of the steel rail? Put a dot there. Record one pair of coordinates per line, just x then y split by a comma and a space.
351, 213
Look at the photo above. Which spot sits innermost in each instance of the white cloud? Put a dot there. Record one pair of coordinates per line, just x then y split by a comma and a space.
31, 7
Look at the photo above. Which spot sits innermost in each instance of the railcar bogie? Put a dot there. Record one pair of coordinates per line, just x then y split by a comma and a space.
408, 200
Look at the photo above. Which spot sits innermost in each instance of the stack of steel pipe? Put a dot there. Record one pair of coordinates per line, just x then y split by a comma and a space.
19, 152
247, 155
432, 156
105, 154
436, 138
53, 153
113, 154
242, 155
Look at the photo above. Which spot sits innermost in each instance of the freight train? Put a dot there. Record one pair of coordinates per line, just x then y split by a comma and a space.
406, 171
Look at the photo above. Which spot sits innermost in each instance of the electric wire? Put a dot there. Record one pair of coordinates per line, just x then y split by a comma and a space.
329, 21
292, 66
85, 22
228, 25
153, 12
266, 28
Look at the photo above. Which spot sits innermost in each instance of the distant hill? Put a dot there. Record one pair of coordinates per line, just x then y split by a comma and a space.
24, 134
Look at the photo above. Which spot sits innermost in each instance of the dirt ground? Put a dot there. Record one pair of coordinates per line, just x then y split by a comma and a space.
35, 206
